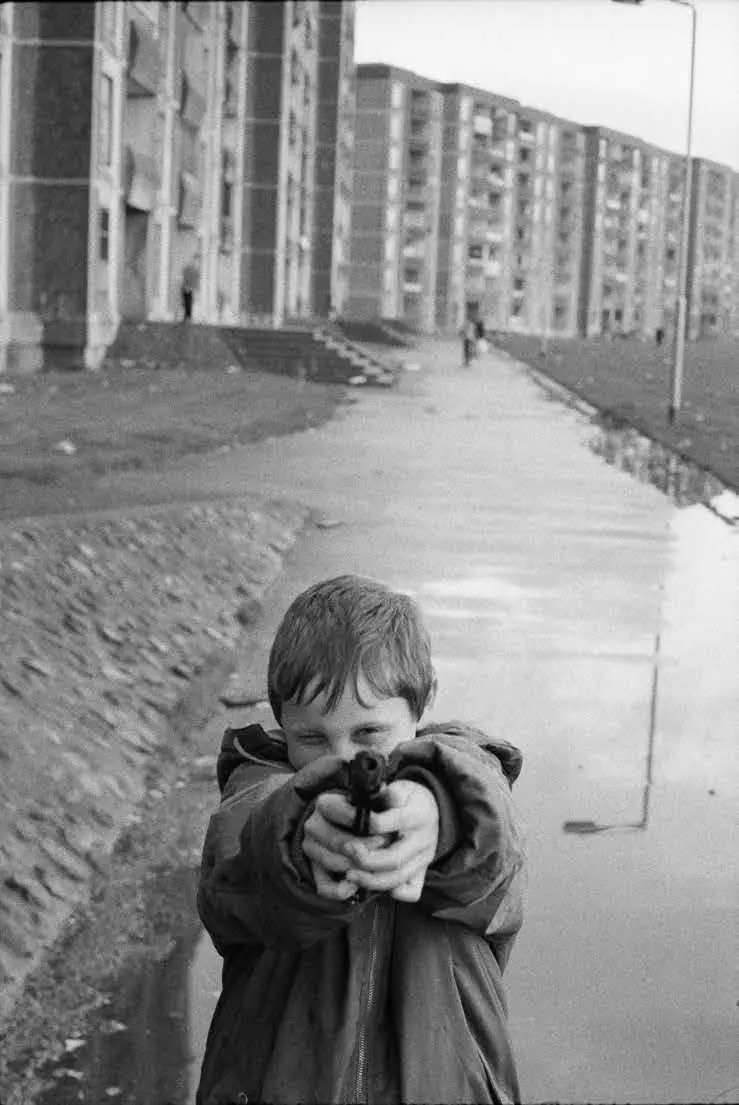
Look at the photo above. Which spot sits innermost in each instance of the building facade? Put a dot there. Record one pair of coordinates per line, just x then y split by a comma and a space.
711, 286
142, 142
395, 206
474, 244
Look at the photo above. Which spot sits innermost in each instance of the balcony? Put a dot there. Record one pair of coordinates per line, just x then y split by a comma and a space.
140, 179
416, 220
412, 287
419, 135
415, 192
420, 107
482, 124
144, 65
226, 235
526, 137
233, 25
480, 153
477, 229
496, 179
189, 201
497, 150
192, 103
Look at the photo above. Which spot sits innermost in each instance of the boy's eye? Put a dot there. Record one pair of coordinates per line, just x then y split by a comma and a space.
311, 738
366, 734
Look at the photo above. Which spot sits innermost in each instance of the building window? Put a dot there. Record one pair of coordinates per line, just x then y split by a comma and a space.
104, 235
106, 120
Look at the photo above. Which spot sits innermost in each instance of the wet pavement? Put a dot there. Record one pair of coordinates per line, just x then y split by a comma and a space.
588, 616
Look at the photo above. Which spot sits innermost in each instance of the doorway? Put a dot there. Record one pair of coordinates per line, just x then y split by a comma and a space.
134, 287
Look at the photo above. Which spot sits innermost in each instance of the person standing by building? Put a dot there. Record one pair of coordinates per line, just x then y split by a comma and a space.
190, 286
468, 341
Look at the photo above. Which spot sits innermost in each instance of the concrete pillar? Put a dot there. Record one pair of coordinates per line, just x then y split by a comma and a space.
48, 186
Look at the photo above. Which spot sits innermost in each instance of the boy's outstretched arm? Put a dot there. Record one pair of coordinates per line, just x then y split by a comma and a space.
256, 884
477, 876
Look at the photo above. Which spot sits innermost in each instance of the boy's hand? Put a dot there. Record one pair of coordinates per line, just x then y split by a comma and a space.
411, 822
326, 842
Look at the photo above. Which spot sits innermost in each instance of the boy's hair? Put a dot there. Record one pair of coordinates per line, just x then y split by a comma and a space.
348, 627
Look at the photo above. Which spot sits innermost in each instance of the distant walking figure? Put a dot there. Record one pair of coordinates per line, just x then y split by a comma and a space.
659, 336
468, 339
190, 285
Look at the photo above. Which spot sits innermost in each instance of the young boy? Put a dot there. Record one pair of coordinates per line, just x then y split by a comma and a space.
360, 969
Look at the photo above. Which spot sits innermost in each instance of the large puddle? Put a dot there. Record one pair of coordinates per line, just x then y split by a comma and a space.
683, 482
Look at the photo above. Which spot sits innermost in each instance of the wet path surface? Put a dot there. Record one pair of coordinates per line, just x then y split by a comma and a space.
594, 621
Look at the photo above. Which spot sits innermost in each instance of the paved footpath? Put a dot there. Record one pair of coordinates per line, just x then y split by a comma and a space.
585, 616
592, 621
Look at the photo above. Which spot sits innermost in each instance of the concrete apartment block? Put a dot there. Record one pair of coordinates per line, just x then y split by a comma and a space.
474, 246
110, 176
710, 251
143, 141
395, 209
334, 158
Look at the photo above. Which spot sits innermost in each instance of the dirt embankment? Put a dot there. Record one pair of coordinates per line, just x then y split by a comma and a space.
116, 632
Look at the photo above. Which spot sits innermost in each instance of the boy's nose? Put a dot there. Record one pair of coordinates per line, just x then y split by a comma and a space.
344, 747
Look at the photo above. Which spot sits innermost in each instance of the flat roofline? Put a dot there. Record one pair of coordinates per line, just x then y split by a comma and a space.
633, 140
481, 93
381, 71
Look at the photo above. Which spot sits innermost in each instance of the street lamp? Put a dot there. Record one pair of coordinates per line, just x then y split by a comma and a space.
676, 389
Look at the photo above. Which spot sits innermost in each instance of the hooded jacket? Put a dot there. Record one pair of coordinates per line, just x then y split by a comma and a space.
366, 1001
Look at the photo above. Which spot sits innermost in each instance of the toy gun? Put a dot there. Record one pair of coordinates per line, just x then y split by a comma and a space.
366, 779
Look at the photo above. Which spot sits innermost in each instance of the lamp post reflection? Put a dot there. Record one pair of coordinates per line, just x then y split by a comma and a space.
587, 828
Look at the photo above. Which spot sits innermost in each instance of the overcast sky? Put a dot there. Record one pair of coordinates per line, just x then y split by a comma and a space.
593, 61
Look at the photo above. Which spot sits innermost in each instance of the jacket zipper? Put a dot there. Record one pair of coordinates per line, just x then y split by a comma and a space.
360, 1088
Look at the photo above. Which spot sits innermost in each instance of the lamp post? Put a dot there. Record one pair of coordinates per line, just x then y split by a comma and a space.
678, 365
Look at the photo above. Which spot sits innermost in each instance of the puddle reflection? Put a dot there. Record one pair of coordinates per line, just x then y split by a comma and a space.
586, 828
623, 447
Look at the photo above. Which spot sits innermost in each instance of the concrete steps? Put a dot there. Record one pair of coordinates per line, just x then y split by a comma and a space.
306, 354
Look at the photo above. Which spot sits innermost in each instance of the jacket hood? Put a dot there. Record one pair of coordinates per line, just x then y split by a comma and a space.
251, 744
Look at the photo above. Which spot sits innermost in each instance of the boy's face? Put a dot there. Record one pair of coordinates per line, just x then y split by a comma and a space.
349, 728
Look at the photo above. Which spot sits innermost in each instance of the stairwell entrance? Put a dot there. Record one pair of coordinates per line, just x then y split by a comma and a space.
135, 285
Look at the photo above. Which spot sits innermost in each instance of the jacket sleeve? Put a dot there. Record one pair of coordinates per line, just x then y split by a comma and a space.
255, 883
478, 875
